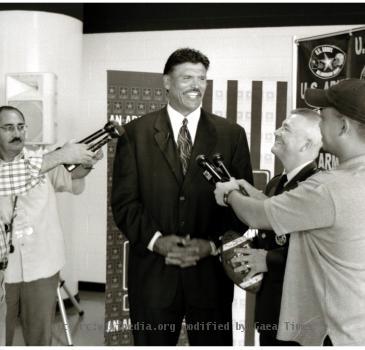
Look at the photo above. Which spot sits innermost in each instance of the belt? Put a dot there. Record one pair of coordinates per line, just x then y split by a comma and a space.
3, 264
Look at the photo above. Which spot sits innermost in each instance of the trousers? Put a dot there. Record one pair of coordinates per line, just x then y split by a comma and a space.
35, 302
2, 309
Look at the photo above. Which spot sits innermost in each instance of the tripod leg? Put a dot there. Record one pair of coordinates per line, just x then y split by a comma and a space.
64, 317
72, 298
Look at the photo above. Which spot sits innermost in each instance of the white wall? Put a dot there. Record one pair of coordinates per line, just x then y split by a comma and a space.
32, 41
254, 53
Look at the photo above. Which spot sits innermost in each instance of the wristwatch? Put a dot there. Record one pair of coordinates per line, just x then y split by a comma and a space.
226, 196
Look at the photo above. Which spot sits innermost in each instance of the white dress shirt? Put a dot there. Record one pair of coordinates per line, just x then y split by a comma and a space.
291, 174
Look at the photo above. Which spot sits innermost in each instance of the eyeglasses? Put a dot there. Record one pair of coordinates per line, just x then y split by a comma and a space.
11, 128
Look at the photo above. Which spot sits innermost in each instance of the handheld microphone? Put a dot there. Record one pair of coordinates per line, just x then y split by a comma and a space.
110, 131
210, 172
218, 162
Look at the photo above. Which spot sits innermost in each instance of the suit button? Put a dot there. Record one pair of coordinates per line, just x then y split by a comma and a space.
182, 198
182, 223
263, 235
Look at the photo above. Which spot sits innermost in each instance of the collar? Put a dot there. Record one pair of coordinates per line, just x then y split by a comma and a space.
176, 119
352, 162
291, 174
22, 154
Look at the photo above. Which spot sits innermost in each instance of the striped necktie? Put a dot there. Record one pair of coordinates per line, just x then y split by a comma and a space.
184, 145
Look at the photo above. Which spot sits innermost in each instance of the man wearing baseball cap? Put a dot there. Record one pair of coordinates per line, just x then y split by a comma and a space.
323, 298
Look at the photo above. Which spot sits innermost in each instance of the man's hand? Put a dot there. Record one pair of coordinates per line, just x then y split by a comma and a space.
182, 257
166, 244
77, 153
251, 190
70, 153
250, 259
81, 171
224, 187
188, 255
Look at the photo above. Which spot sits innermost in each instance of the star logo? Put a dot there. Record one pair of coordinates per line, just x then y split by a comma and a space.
327, 61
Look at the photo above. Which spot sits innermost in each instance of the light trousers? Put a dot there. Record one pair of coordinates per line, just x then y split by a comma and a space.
35, 302
2, 309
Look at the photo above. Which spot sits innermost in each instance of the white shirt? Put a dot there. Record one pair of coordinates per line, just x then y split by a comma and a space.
177, 118
38, 240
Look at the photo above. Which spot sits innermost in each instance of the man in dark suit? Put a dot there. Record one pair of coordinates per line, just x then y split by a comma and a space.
166, 208
297, 144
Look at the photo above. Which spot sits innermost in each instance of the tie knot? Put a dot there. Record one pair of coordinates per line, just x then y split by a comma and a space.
185, 121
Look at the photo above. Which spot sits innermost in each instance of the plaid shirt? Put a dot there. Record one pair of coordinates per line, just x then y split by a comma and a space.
16, 178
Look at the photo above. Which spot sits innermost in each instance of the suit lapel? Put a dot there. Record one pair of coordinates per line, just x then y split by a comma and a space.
307, 171
205, 140
165, 141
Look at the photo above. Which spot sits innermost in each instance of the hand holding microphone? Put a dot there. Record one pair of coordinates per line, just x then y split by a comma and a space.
97, 140
217, 172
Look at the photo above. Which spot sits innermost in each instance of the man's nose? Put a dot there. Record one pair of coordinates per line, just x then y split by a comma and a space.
16, 132
195, 83
277, 132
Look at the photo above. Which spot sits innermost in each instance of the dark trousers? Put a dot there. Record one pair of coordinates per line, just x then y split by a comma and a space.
161, 327
268, 338
35, 302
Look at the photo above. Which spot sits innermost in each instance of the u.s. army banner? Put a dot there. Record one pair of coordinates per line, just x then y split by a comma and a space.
325, 60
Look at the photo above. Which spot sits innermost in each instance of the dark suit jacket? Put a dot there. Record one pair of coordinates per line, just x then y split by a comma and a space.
150, 194
268, 299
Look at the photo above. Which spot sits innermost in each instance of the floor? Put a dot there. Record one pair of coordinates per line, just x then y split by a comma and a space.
85, 330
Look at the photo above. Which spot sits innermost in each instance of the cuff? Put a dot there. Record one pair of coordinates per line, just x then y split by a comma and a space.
214, 250
157, 235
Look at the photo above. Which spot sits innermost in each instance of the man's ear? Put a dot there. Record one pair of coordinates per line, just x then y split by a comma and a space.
307, 145
166, 81
345, 126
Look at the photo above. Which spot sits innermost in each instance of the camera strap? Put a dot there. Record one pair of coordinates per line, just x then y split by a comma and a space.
13, 215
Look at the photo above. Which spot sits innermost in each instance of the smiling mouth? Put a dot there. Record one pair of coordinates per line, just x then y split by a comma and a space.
193, 94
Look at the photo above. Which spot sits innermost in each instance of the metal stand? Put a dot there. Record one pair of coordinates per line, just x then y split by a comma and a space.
63, 310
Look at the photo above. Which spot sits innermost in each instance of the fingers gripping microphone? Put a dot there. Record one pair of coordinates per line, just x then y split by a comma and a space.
210, 172
110, 131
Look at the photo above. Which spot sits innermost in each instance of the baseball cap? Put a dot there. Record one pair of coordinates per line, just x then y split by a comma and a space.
348, 97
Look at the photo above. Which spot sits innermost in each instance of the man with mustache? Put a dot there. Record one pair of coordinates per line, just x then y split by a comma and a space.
166, 208
33, 238
297, 144
324, 283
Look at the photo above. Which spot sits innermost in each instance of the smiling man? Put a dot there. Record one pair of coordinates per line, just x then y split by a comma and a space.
297, 144
166, 208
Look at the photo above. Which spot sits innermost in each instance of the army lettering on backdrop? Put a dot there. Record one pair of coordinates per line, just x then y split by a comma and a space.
258, 106
325, 60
